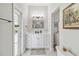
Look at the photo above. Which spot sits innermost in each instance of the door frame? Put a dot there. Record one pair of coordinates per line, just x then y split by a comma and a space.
52, 25
13, 11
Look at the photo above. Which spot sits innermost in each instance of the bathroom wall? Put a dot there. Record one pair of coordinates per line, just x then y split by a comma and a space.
68, 37
37, 10
37, 4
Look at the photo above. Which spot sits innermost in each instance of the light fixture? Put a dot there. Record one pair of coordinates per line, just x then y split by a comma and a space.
37, 15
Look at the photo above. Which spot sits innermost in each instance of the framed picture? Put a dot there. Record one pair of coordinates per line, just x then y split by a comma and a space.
71, 17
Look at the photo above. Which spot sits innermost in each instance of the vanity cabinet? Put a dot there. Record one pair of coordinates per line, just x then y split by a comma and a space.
37, 41
6, 11
31, 41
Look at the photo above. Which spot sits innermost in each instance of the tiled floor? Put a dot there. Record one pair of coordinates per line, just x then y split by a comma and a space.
38, 53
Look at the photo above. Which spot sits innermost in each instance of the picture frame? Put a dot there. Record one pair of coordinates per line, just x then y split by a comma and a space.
71, 17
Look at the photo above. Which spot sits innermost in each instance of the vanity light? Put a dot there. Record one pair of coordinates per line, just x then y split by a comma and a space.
41, 15
37, 16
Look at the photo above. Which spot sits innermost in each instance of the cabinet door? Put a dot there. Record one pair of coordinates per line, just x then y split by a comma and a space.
5, 38
34, 41
40, 41
46, 40
6, 11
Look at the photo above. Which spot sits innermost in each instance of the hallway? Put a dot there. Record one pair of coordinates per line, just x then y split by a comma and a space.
39, 29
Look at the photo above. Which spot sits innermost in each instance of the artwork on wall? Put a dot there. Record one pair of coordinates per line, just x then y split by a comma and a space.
71, 17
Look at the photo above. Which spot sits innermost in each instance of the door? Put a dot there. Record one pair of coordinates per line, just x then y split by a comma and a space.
5, 38
6, 11
17, 32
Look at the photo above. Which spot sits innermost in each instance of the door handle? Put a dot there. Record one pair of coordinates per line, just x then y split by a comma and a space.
5, 20
16, 25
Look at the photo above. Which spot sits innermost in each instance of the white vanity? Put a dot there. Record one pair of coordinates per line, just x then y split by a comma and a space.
37, 41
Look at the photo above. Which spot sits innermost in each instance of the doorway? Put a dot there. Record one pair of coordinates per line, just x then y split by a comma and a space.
55, 28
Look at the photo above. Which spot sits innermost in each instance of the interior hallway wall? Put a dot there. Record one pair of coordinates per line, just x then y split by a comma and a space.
68, 37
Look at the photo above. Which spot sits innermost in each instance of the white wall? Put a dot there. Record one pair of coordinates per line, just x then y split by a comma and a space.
30, 5
69, 37
38, 11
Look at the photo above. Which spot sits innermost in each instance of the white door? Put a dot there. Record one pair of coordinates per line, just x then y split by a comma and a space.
6, 11
5, 38
17, 32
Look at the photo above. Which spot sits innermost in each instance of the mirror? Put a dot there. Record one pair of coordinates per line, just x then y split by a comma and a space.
37, 24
